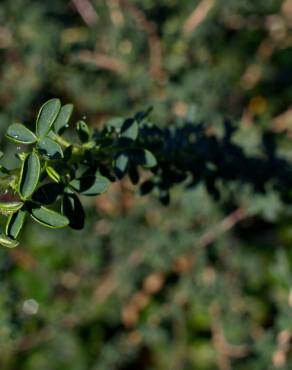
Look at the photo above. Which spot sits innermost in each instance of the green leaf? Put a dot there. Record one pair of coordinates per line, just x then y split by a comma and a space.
146, 187
1, 154
4, 170
133, 174
164, 197
46, 117
53, 174
120, 165
61, 122
130, 130
15, 223
50, 148
48, 217
68, 153
20, 134
115, 123
48, 193
91, 185
73, 209
10, 207
143, 157
83, 131
29, 176
8, 242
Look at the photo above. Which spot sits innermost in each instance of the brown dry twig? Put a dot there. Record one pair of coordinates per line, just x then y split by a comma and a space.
226, 224
101, 61
86, 11
198, 15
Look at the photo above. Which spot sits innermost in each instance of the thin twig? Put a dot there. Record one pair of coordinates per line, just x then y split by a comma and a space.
226, 224
86, 11
197, 16
102, 61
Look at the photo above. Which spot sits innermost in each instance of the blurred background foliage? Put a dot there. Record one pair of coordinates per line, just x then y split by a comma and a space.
190, 286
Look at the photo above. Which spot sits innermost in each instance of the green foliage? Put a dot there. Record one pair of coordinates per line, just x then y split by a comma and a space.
200, 284
185, 154
80, 171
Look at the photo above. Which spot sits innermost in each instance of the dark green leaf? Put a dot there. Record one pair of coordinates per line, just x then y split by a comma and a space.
164, 197
83, 131
133, 174
15, 223
48, 217
91, 185
120, 165
73, 210
20, 134
61, 122
143, 114
48, 193
50, 148
46, 117
29, 176
147, 187
143, 157
68, 152
130, 129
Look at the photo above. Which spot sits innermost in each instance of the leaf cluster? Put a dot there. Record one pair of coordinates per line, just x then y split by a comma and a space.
53, 172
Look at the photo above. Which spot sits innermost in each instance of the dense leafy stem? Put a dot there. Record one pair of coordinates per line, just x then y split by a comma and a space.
53, 172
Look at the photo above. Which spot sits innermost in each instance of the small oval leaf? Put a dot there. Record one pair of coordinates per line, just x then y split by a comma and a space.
10, 207
91, 185
61, 122
20, 134
121, 164
53, 174
50, 148
15, 223
143, 157
83, 131
73, 209
46, 117
130, 129
8, 242
48, 193
30, 174
48, 217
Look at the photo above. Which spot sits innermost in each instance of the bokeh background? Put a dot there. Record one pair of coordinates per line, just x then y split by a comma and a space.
187, 287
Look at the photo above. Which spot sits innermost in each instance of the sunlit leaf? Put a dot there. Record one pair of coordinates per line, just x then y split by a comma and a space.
20, 134
15, 223
91, 185
10, 207
61, 122
50, 148
48, 217
29, 176
121, 163
46, 117
7, 242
